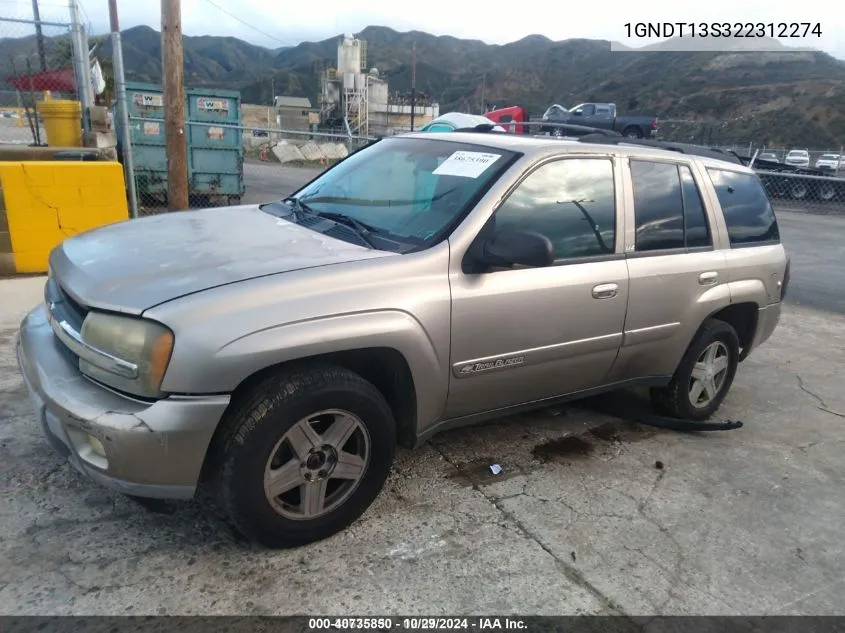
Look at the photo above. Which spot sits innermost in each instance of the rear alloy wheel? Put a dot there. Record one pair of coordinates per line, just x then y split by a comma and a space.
704, 375
557, 131
305, 455
632, 132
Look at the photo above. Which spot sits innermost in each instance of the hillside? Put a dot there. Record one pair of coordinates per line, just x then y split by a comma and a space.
779, 98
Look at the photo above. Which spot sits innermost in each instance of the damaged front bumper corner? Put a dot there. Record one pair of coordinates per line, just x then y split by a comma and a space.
153, 450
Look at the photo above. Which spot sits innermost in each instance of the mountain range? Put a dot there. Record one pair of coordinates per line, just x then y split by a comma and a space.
737, 97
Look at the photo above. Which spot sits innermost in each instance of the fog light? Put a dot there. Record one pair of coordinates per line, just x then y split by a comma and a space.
96, 446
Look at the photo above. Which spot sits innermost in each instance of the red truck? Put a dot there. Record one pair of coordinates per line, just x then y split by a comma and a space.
581, 120
511, 119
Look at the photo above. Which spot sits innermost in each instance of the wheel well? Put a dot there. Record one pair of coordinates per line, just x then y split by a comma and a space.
632, 128
743, 318
384, 367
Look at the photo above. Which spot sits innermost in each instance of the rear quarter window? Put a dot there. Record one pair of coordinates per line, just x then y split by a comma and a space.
748, 213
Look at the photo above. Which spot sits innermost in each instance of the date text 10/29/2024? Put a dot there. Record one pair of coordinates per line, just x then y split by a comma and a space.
417, 624
789, 30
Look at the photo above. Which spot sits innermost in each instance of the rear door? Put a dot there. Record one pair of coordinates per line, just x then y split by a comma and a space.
677, 268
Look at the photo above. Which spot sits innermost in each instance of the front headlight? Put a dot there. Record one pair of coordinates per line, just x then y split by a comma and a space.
141, 343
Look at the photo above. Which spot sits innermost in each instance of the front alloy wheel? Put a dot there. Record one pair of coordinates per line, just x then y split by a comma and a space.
317, 464
303, 454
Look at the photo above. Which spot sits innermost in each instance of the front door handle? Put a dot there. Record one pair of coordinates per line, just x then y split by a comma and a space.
605, 291
708, 279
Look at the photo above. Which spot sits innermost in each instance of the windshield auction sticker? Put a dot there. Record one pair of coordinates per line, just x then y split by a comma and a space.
466, 164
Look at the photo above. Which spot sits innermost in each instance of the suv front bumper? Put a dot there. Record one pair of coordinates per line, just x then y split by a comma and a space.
138, 448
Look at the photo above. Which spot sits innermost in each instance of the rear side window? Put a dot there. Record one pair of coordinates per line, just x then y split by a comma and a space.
668, 208
658, 206
696, 229
748, 212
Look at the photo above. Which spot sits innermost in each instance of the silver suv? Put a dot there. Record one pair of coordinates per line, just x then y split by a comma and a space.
277, 354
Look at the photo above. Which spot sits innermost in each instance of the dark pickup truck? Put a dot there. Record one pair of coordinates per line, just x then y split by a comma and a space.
599, 115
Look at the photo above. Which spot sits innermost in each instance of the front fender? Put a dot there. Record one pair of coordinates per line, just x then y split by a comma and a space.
236, 360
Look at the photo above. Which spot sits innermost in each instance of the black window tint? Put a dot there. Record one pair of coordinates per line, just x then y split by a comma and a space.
748, 212
658, 206
696, 229
589, 110
571, 201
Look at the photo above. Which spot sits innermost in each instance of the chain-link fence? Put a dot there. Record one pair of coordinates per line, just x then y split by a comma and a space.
805, 193
37, 64
233, 164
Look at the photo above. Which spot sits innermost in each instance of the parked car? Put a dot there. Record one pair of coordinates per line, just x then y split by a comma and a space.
798, 158
453, 121
602, 116
276, 354
831, 162
768, 156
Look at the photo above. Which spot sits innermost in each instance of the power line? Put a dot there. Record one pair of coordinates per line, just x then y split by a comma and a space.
247, 24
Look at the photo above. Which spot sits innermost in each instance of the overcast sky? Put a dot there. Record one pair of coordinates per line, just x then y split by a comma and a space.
275, 23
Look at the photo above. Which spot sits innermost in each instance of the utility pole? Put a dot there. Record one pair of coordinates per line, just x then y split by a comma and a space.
483, 85
173, 70
413, 83
39, 36
122, 109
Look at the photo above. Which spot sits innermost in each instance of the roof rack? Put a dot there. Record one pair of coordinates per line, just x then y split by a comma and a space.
586, 134
681, 148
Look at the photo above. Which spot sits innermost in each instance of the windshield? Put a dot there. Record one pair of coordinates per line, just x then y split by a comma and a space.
409, 190
830, 156
797, 153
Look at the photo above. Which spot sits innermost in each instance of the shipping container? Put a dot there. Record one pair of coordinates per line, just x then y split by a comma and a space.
213, 137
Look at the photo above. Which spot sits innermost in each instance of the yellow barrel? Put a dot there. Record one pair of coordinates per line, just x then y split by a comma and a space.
62, 122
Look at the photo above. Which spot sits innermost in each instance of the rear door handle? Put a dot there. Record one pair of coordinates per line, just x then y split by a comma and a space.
605, 291
708, 279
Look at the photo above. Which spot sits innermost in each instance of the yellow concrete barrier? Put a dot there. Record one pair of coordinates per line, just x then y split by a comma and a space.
44, 202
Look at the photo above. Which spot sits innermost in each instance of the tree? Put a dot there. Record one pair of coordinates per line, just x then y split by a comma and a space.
61, 54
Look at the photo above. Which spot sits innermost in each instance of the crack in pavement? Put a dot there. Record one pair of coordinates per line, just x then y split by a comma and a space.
822, 404
572, 574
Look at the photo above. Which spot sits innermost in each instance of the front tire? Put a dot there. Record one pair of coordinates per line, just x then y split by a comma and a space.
306, 454
704, 376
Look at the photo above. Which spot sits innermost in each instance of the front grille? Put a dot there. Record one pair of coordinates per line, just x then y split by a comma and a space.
63, 307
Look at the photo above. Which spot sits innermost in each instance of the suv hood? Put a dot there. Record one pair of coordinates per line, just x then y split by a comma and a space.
134, 265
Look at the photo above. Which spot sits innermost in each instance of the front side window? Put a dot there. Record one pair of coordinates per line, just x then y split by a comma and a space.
571, 201
408, 189
748, 212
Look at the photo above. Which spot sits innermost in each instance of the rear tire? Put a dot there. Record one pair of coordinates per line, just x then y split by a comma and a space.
632, 132
703, 377
287, 435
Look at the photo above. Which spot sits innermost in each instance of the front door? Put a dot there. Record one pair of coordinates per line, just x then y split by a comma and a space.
525, 334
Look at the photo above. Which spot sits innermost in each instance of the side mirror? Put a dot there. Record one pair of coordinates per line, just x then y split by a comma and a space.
524, 248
